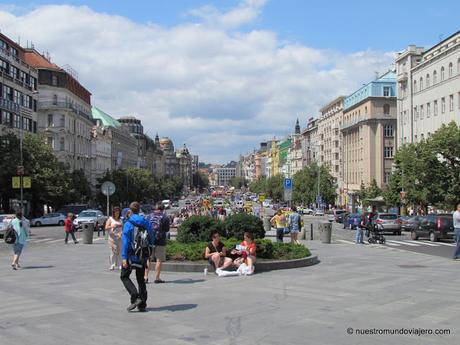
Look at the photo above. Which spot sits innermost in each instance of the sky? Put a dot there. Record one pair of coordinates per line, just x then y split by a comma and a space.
223, 76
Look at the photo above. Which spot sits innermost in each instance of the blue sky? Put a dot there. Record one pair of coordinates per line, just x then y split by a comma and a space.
222, 76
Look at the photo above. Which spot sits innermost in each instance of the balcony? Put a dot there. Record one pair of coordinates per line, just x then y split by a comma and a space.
62, 106
402, 77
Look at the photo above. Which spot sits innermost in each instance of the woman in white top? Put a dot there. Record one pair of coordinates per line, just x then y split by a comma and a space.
114, 227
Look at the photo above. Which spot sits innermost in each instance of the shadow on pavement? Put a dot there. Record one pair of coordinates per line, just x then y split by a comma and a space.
187, 281
36, 267
176, 307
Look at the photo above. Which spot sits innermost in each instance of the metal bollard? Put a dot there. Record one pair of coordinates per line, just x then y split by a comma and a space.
311, 231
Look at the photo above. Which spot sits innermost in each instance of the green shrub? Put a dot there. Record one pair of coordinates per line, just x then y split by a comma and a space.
264, 248
236, 225
185, 251
288, 251
199, 228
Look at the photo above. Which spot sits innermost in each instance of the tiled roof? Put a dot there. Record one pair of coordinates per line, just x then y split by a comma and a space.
36, 60
105, 118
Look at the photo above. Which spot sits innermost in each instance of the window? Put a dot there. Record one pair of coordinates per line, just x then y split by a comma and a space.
386, 176
442, 73
451, 103
428, 109
50, 120
415, 85
388, 152
458, 99
416, 113
422, 113
62, 144
421, 84
451, 70
16, 121
17, 97
54, 80
386, 109
443, 105
386, 91
427, 81
55, 99
62, 121
435, 108
435, 77
49, 141
388, 130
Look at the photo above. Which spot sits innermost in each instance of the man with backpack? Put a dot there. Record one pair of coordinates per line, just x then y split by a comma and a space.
138, 240
160, 223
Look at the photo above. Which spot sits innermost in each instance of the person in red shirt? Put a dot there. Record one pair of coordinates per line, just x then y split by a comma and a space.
69, 228
247, 250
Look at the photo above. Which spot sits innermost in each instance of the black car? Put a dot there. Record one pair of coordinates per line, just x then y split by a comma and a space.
435, 227
340, 216
410, 223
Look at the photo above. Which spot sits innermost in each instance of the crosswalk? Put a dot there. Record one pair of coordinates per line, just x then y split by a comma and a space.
54, 240
409, 243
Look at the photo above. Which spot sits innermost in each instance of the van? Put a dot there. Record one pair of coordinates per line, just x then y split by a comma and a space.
166, 203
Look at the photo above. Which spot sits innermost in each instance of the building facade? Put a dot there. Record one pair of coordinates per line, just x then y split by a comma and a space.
428, 89
310, 141
369, 134
64, 113
224, 175
18, 90
296, 150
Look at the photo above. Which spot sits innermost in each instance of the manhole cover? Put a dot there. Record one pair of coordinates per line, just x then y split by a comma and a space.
412, 266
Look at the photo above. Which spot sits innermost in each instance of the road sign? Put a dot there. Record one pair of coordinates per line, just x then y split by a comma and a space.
288, 195
261, 197
20, 170
16, 182
108, 188
27, 182
319, 200
288, 184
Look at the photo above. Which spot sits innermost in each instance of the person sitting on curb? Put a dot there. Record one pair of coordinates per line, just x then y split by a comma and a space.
216, 253
247, 252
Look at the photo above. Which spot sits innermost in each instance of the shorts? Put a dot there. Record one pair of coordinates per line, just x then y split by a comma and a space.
17, 248
159, 252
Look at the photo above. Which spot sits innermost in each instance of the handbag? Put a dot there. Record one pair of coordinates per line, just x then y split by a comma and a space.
10, 235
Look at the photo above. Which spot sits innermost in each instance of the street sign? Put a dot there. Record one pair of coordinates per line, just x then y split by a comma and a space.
20, 170
27, 182
319, 200
108, 188
261, 197
16, 182
288, 184
288, 195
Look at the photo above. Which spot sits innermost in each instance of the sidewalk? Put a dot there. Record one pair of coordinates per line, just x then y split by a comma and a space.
67, 295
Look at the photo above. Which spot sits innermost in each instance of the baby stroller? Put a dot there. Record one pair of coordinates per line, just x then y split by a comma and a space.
374, 235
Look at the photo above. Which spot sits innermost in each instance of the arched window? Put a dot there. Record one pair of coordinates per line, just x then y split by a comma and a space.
458, 66
451, 70
427, 81
442, 73
415, 85
421, 84
435, 77
55, 100
386, 109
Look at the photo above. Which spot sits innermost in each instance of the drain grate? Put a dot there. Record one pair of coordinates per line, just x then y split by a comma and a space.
412, 266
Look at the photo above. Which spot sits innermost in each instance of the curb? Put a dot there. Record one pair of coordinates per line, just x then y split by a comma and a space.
261, 266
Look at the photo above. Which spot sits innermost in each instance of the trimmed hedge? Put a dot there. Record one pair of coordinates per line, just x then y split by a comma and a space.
236, 225
266, 249
199, 228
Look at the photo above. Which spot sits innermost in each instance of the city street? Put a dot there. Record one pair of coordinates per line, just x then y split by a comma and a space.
66, 295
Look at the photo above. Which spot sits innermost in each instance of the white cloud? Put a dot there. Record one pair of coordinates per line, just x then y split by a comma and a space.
219, 89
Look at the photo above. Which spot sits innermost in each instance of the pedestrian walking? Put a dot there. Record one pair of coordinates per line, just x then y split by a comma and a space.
20, 227
160, 224
295, 225
359, 236
114, 227
456, 217
69, 228
279, 221
137, 241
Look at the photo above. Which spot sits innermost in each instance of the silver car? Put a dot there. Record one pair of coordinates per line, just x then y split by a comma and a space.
387, 222
5, 219
49, 219
90, 216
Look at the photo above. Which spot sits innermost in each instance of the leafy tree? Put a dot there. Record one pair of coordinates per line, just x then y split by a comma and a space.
305, 185
258, 186
200, 180
371, 192
238, 182
274, 187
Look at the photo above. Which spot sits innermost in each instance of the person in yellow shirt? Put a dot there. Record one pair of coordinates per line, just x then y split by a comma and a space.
279, 221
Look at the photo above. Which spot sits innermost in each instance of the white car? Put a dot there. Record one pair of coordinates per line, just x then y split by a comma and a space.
267, 203
218, 203
308, 211
239, 204
49, 219
90, 216
318, 212
5, 219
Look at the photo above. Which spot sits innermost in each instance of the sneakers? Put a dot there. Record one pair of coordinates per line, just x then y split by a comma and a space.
159, 281
112, 267
134, 305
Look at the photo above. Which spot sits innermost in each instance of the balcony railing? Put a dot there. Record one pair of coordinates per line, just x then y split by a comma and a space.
62, 105
6, 104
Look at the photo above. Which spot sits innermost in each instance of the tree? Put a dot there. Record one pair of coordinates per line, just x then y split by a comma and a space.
200, 180
305, 185
238, 182
258, 186
371, 192
274, 187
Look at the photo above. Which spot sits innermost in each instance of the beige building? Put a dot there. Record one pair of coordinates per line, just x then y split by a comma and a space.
310, 147
369, 135
330, 141
296, 150
428, 89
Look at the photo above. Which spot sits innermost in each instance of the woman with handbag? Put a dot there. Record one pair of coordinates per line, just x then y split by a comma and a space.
114, 227
246, 252
20, 229
295, 225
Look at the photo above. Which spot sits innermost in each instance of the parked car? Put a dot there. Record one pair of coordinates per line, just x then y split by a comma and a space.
90, 216
188, 202
330, 216
409, 223
5, 219
49, 219
175, 204
308, 210
434, 227
351, 220
166, 203
387, 222
267, 203
340, 218
337, 214
318, 212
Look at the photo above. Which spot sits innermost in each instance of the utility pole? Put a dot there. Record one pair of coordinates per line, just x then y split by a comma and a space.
21, 176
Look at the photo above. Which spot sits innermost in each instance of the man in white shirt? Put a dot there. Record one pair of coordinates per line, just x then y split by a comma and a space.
456, 218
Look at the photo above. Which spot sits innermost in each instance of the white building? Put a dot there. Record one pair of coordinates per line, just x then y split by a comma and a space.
428, 89
224, 175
